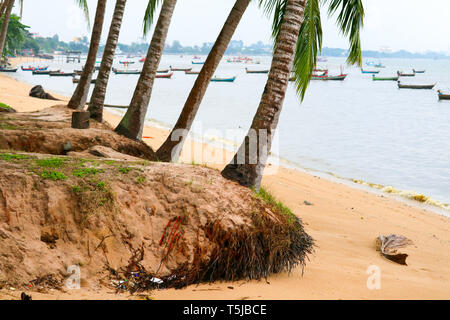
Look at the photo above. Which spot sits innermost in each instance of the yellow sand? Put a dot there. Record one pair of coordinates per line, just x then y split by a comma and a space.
344, 221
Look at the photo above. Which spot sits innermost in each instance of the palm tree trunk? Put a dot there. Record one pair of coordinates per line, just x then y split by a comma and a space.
171, 148
3, 7
247, 167
79, 97
98, 95
132, 123
5, 24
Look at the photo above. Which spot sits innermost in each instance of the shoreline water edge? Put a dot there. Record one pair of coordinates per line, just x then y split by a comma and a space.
343, 216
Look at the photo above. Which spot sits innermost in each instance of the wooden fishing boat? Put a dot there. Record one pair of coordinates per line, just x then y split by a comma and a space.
192, 72
200, 62
126, 62
8, 70
379, 65
34, 69
78, 72
180, 69
61, 74
443, 96
77, 80
44, 72
418, 71
164, 76
116, 71
415, 86
370, 71
162, 71
375, 78
401, 74
256, 71
142, 60
215, 79
339, 77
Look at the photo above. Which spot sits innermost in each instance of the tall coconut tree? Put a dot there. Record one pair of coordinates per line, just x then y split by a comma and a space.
171, 148
295, 46
98, 95
132, 123
4, 29
80, 94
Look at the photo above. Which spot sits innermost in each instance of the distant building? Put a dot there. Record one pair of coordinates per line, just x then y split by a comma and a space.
27, 52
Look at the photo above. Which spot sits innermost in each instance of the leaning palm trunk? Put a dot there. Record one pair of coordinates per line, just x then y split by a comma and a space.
247, 167
133, 122
4, 31
79, 97
98, 95
3, 5
171, 148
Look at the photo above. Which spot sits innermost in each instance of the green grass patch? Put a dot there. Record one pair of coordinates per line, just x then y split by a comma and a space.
6, 126
50, 162
125, 170
10, 156
83, 172
140, 179
276, 205
53, 175
4, 106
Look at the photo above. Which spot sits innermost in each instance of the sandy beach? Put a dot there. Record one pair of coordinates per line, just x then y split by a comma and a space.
344, 221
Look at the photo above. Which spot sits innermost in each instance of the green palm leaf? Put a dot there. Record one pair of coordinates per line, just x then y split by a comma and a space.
84, 6
150, 14
350, 20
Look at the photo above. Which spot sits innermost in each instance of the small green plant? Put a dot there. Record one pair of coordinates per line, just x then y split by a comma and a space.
82, 172
125, 170
9, 156
141, 179
76, 189
50, 162
6, 126
53, 175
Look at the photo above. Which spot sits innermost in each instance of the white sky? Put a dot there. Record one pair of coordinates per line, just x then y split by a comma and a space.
413, 25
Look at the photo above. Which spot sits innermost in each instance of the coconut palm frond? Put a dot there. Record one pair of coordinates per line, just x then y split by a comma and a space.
309, 44
150, 14
84, 6
350, 20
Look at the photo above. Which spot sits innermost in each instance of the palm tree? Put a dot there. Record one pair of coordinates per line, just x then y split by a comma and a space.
132, 123
79, 97
98, 95
296, 46
167, 152
8, 9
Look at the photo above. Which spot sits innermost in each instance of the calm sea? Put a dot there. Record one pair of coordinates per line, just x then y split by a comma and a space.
355, 129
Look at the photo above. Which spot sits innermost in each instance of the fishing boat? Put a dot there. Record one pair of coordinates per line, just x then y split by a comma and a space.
7, 69
339, 77
415, 86
216, 79
180, 69
401, 74
164, 76
61, 74
443, 96
34, 69
418, 71
142, 60
369, 71
192, 72
78, 72
77, 80
200, 62
44, 72
379, 65
116, 71
126, 62
162, 71
375, 78
322, 59
256, 71
196, 57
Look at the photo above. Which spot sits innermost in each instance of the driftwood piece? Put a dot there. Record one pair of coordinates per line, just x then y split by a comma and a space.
388, 246
80, 119
38, 92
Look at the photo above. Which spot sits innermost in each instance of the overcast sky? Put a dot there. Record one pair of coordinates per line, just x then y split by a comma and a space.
413, 25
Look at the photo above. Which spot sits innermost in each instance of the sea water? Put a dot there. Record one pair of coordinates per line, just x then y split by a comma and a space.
358, 129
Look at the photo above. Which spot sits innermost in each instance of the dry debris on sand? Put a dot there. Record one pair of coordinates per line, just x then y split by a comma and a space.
129, 224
